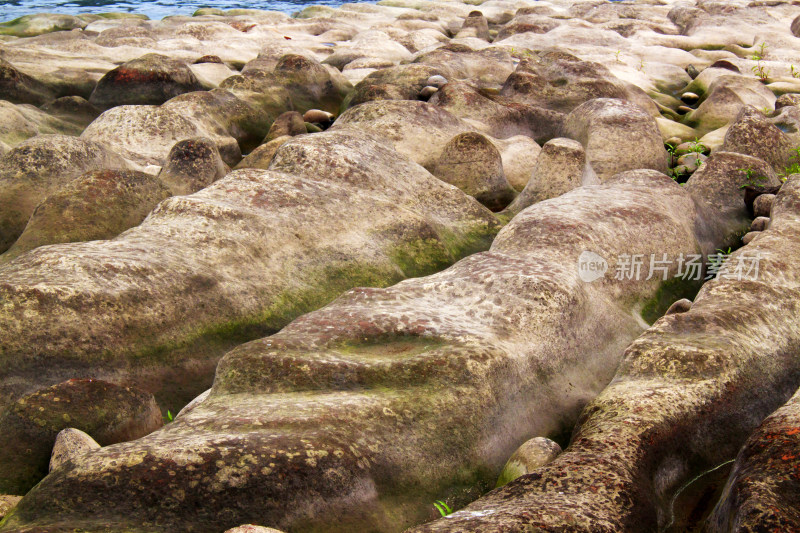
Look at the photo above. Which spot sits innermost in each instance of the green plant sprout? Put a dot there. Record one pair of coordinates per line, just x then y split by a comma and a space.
762, 51
616, 55
168, 416
761, 72
794, 166
752, 179
795, 72
442, 507
697, 147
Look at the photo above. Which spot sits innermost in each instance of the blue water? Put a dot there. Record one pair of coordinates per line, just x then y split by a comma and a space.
155, 9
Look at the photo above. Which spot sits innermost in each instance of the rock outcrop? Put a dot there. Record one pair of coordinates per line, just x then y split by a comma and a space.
40, 166
158, 305
355, 417
686, 396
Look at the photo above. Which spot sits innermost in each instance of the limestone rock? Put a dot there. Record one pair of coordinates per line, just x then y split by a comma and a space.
290, 123
7, 503
417, 130
726, 98
559, 81
28, 428
753, 134
686, 396
149, 80
18, 87
235, 261
466, 364
32, 25
535, 453
70, 444
191, 165
760, 224
617, 136
473, 164
100, 204
762, 205
475, 25
720, 181
681, 306
762, 491
262, 156
519, 154
559, 169
38, 167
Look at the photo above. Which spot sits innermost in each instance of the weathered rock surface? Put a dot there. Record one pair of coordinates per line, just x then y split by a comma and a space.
7, 503
763, 491
262, 156
473, 164
29, 426
149, 80
290, 123
350, 407
232, 262
718, 186
753, 134
71, 444
617, 136
19, 88
97, 205
191, 165
559, 169
38, 167
533, 454
687, 394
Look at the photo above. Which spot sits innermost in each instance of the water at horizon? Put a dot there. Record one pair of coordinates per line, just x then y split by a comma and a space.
155, 9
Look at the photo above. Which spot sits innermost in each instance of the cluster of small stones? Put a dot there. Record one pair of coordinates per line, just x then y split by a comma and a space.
357, 230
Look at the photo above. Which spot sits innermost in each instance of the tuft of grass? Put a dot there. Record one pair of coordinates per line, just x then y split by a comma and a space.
762, 51
761, 72
752, 179
168, 417
442, 507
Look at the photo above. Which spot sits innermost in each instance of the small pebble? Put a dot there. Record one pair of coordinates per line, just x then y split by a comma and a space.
682, 109
318, 116
427, 92
689, 98
436, 81
762, 206
692, 71
760, 224
749, 237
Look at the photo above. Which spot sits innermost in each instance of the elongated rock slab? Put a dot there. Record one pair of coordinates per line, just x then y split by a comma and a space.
688, 393
159, 304
357, 416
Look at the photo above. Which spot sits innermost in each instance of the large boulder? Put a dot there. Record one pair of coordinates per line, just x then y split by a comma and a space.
557, 80
149, 80
755, 135
617, 136
192, 164
359, 415
18, 87
32, 25
29, 426
723, 102
473, 164
559, 169
97, 205
718, 185
416, 129
38, 167
158, 305
687, 394
301, 80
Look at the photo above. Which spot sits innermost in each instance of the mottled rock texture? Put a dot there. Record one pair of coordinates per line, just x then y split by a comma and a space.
159, 304
686, 396
97, 205
29, 426
355, 417
37, 168
763, 492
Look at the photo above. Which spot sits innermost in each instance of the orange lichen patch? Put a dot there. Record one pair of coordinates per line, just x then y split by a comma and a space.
793, 431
